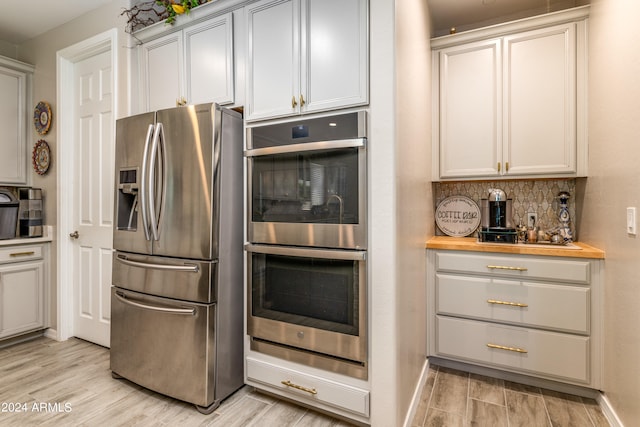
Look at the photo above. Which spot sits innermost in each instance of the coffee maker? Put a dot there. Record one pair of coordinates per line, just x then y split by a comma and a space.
496, 219
30, 212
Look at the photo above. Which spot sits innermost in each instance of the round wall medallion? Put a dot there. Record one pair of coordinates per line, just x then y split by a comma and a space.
42, 117
458, 216
41, 157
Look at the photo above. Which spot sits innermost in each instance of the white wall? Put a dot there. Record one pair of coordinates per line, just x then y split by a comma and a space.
414, 199
612, 185
401, 210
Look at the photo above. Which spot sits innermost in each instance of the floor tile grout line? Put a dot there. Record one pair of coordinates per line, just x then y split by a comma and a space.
506, 403
466, 412
433, 388
593, 422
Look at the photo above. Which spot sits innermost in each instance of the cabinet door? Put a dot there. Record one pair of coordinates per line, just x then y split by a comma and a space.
13, 169
21, 297
334, 51
273, 59
470, 110
162, 71
540, 101
209, 61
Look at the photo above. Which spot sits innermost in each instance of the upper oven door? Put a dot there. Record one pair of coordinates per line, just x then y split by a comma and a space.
308, 191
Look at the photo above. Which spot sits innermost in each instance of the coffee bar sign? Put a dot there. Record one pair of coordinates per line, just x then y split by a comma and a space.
458, 216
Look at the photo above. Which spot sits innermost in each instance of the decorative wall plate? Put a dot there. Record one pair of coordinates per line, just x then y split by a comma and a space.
41, 157
42, 117
458, 216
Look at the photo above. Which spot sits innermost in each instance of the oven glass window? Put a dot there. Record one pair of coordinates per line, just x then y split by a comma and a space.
313, 292
306, 187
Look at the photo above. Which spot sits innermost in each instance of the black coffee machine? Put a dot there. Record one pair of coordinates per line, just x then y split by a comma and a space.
497, 225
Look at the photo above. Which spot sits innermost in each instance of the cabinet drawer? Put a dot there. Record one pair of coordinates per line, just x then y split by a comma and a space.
563, 356
309, 388
564, 308
20, 253
521, 266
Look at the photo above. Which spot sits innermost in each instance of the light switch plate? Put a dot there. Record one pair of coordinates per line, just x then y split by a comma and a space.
631, 220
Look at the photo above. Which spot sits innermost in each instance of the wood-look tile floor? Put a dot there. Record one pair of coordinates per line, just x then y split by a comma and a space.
48, 383
455, 398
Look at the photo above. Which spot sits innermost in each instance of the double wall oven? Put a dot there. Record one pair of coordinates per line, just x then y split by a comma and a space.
307, 247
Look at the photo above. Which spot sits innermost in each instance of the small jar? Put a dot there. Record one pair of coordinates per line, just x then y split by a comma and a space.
532, 235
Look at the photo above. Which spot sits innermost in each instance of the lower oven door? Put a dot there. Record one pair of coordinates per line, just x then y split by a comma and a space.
311, 299
164, 345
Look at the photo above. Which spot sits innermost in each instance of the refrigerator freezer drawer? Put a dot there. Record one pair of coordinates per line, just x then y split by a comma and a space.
164, 345
189, 280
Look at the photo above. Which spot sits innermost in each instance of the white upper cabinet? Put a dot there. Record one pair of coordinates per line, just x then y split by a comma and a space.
306, 56
209, 61
162, 72
470, 109
512, 104
14, 79
191, 66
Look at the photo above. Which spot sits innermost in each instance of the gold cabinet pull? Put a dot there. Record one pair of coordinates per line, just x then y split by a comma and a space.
502, 347
302, 101
498, 166
311, 391
514, 304
506, 167
504, 267
293, 102
17, 254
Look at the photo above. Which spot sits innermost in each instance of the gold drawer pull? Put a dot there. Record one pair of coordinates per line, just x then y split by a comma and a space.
514, 304
504, 267
17, 254
501, 347
288, 383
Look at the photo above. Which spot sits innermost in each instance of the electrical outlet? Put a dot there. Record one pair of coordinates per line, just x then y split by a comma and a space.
532, 219
631, 221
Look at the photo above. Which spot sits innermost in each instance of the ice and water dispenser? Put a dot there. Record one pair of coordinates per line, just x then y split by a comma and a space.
127, 203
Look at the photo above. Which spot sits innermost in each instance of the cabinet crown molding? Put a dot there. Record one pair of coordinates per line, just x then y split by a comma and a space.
16, 65
539, 21
196, 15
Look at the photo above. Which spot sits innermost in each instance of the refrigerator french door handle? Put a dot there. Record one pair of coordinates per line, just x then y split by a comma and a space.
157, 145
188, 311
184, 268
144, 193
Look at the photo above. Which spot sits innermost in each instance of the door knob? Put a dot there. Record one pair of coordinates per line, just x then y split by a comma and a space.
74, 235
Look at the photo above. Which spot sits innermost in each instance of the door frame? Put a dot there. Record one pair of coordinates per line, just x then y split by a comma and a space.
65, 62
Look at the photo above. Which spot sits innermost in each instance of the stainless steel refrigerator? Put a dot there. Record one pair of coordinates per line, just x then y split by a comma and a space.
177, 294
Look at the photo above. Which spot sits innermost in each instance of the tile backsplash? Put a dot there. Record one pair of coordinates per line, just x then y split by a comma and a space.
537, 196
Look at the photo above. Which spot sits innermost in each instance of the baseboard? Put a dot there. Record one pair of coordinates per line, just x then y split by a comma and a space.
417, 393
51, 333
608, 411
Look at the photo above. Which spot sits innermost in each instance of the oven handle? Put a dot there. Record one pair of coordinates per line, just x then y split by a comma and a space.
124, 300
187, 267
307, 146
307, 252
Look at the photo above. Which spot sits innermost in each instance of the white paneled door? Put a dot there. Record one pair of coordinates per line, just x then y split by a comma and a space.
93, 197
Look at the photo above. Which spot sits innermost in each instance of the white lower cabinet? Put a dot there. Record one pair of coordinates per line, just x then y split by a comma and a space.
307, 388
22, 290
533, 315
531, 351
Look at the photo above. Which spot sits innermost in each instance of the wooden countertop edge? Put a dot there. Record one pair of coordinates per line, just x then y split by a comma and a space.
471, 244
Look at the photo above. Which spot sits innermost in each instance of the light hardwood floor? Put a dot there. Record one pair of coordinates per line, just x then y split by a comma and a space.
50, 383
455, 398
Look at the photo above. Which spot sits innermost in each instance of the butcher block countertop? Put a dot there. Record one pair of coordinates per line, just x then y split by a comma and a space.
573, 250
